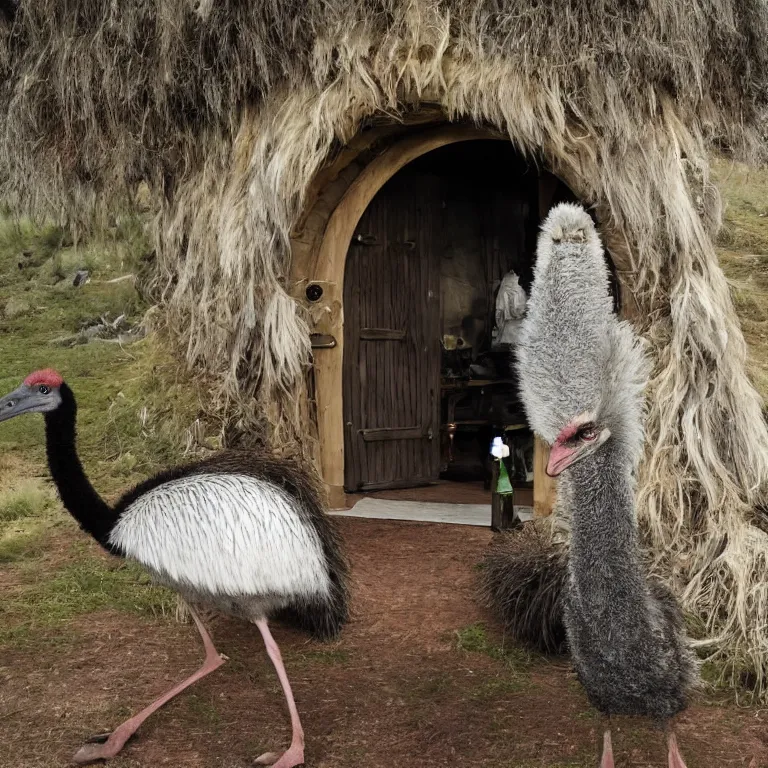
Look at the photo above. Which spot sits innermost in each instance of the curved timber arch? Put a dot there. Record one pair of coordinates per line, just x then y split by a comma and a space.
322, 262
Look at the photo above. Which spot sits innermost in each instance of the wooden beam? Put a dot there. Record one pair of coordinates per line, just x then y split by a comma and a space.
381, 334
392, 433
544, 486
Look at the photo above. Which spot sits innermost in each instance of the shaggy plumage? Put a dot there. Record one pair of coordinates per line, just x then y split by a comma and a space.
571, 339
229, 110
626, 634
522, 579
322, 613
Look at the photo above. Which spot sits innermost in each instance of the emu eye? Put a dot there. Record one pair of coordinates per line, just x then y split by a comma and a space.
43, 390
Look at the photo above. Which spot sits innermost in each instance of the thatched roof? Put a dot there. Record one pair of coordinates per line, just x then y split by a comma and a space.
230, 109
95, 93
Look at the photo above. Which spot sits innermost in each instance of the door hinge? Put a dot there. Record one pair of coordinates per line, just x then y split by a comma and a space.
361, 239
322, 341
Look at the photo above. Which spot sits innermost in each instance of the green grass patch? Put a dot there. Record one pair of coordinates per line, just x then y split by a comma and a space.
26, 515
96, 584
21, 545
474, 639
30, 500
84, 586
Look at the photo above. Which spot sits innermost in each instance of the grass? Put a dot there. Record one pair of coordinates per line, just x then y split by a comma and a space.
475, 638
26, 514
83, 586
30, 500
743, 254
134, 414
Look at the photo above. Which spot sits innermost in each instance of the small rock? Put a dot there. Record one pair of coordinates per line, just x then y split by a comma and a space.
81, 277
15, 307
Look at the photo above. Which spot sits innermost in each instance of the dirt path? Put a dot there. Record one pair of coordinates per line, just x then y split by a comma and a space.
396, 690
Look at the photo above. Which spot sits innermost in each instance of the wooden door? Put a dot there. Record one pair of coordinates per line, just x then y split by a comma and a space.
392, 339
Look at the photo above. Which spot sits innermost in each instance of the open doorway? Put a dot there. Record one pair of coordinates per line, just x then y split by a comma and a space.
427, 370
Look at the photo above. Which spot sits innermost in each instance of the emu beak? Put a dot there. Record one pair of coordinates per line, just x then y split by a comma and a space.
19, 401
560, 457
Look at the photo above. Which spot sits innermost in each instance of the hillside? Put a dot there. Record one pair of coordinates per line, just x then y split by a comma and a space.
743, 254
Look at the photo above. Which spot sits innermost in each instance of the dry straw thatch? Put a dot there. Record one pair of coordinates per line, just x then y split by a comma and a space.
229, 109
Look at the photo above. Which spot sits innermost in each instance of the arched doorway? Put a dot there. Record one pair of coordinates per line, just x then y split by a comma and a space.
425, 384
321, 246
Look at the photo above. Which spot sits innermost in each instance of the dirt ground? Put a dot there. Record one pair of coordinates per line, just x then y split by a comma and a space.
412, 682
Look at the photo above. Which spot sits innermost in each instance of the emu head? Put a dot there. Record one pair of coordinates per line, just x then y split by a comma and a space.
582, 371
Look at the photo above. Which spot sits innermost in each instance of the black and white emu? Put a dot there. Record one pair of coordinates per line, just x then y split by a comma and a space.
244, 534
582, 374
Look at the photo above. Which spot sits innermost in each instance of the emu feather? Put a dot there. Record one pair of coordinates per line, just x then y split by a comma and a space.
219, 537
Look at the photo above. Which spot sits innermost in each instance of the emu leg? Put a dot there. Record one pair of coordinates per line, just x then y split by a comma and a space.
675, 758
295, 754
607, 760
115, 741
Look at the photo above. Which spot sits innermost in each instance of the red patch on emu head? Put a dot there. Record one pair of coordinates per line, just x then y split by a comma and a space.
566, 433
47, 376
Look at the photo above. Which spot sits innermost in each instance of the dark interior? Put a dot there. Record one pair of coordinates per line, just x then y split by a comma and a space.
454, 222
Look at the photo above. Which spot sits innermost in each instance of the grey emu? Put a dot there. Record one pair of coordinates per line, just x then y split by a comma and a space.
243, 533
582, 374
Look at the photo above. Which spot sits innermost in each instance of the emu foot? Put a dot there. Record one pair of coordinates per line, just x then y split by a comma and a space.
290, 759
92, 753
268, 758
100, 746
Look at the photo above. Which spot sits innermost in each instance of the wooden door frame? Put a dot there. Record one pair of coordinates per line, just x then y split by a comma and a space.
328, 270
325, 265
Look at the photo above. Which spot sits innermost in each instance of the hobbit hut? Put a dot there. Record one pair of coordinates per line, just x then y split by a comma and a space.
341, 187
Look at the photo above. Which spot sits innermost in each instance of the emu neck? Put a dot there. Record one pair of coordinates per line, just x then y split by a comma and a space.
93, 514
604, 557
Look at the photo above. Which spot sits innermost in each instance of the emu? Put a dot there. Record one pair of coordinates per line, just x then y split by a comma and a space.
582, 375
244, 534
